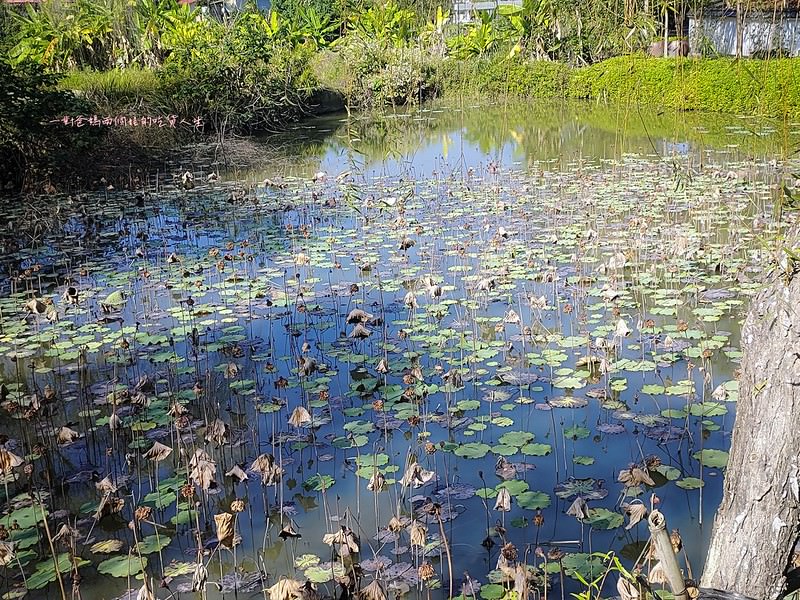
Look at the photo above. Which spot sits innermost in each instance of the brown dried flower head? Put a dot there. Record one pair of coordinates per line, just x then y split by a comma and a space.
426, 571
143, 513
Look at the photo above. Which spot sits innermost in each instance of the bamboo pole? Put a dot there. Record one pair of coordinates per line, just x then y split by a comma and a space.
665, 554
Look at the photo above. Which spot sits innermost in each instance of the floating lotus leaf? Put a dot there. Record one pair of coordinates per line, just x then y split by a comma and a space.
24, 538
492, 591
516, 438
304, 561
27, 516
514, 486
709, 457
177, 569
319, 482
486, 493
122, 566
611, 428
536, 449
567, 401
588, 488
505, 450
707, 409
577, 432
114, 300
588, 566
472, 450
160, 499
690, 483
533, 500
152, 543
602, 518
455, 491
324, 573
106, 547
46, 572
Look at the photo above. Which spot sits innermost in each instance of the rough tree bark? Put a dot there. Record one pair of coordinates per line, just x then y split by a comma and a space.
758, 522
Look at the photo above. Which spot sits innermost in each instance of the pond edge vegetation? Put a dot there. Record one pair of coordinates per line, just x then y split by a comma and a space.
256, 71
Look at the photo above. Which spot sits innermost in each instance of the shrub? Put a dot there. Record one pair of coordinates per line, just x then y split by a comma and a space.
717, 85
242, 96
500, 75
332, 10
369, 73
29, 105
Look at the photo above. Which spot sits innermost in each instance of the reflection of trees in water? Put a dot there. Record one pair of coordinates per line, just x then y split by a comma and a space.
544, 130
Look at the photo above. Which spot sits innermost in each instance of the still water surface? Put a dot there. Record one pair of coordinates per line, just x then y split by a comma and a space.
551, 295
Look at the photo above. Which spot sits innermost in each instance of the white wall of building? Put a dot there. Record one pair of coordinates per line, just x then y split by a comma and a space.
760, 34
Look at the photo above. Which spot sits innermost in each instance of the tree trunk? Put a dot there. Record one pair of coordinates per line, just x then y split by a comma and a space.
739, 28
758, 522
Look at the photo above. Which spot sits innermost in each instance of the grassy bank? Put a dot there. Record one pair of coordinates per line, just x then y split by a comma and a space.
370, 76
259, 71
742, 87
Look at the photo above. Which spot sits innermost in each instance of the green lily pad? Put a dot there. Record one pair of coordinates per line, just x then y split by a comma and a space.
516, 438
533, 500
492, 591
690, 483
536, 449
325, 573
46, 570
588, 566
122, 566
319, 482
472, 450
153, 543
602, 518
709, 457
514, 486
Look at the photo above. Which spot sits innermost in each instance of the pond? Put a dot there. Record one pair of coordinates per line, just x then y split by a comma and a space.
406, 348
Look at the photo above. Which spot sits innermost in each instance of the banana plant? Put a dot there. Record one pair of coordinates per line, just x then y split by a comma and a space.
433, 33
385, 22
534, 23
188, 34
150, 18
75, 35
315, 29
481, 38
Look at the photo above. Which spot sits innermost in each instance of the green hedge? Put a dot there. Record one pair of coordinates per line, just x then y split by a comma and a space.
764, 87
497, 75
769, 87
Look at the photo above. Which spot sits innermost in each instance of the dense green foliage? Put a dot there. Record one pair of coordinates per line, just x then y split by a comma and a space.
501, 75
254, 71
30, 103
764, 87
718, 85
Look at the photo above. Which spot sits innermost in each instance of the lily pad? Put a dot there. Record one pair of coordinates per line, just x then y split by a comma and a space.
709, 457
122, 566
472, 450
533, 500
